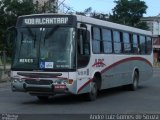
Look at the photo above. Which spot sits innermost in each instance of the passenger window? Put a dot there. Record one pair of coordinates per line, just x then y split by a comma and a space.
127, 44
135, 44
96, 40
142, 44
117, 42
107, 40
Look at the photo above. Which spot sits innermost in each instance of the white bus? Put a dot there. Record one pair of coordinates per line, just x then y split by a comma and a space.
73, 54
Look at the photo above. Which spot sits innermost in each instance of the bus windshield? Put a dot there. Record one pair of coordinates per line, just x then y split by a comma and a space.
45, 48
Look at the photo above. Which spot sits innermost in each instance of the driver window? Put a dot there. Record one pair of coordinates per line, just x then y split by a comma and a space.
83, 48
83, 42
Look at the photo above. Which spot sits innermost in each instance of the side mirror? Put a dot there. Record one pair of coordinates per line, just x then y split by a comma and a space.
9, 36
83, 26
9, 39
12, 28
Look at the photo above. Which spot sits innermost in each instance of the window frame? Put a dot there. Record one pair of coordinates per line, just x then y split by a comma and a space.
128, 42
107, 41
117, 42
99, 41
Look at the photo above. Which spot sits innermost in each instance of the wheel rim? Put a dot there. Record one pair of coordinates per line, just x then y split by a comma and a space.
135, 82
93, 90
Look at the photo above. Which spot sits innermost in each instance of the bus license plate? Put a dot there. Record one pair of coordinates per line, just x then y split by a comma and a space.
60, 86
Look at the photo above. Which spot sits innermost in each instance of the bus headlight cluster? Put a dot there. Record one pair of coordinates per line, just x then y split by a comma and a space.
14, 80
60, 81
63, 81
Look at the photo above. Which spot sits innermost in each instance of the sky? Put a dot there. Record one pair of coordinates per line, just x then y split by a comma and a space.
106, 6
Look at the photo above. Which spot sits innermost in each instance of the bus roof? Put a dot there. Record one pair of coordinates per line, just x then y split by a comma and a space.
112, 25
94, 21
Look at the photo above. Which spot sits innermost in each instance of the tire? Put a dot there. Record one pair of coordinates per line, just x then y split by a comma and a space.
43, 98
92, 95
135, 82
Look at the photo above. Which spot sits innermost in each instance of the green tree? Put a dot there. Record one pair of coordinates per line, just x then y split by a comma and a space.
89, 12
86, 12
2, 27
129, 12
100, 16
15, 8
9, 12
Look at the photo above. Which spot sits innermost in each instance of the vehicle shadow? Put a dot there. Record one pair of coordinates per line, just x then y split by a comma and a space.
58, 100
116, 91
78, 99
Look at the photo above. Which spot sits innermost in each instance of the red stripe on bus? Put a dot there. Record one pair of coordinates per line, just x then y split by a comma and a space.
115, 64
84, 85
126, 60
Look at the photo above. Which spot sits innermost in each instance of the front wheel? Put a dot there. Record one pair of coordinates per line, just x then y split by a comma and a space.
135, 82
92, 95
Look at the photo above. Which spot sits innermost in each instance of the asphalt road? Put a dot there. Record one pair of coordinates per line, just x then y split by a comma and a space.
118, 100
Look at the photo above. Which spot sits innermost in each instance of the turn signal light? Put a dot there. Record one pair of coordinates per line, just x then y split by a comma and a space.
70, 81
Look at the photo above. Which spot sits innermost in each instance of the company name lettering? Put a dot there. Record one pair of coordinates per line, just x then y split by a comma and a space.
43, 21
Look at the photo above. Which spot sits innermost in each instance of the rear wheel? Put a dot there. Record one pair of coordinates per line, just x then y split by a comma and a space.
92, 95
135, 82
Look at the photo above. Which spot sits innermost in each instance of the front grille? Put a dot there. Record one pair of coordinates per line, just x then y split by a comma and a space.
39, 89
38, 82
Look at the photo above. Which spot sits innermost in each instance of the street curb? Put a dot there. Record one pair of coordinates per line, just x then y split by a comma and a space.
4, 80
4, 75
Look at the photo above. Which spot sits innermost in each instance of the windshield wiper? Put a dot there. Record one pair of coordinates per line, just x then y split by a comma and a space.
34, 36
48, 34
45, 37
22, 37
30, 31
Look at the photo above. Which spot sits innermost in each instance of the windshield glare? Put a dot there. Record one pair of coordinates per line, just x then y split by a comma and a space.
45, 48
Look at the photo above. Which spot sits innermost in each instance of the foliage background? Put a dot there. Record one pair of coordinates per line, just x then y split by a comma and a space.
128, 12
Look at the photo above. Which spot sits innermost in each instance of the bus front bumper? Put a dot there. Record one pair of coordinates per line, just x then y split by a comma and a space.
39, 88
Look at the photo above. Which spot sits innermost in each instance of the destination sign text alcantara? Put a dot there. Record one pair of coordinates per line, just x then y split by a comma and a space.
44, 21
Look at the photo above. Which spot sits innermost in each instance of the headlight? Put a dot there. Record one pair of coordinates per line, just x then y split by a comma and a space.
63, 81
16, 80
60, 81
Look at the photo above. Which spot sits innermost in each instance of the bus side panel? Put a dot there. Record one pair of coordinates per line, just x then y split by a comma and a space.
83, 80
121, 71
72, 87
145, 71
107, 72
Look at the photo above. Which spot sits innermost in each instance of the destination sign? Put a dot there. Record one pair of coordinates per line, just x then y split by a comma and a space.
46, 21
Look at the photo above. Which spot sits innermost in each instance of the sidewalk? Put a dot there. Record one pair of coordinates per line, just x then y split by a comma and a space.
4, 75
5, 86
4, 78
